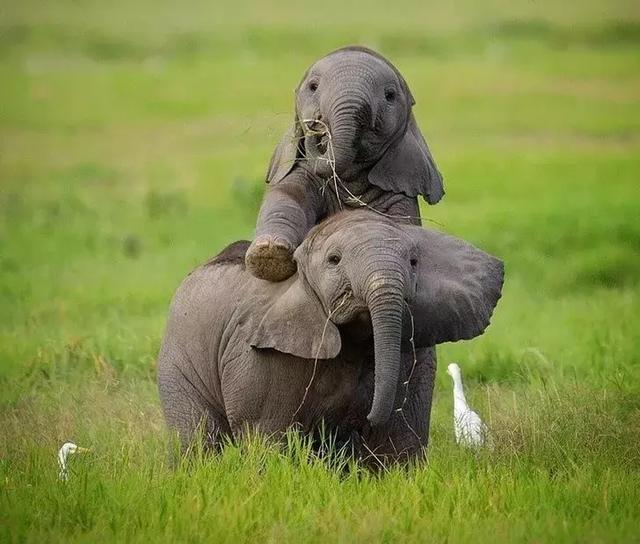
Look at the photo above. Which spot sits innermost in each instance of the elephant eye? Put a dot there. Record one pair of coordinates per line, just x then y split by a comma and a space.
390, 95
313, 86
414, 262
333, 259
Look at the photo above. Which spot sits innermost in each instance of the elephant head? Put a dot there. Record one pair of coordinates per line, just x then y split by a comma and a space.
354, 115
358, 264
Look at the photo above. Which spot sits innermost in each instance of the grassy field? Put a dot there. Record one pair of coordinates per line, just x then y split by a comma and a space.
134, 137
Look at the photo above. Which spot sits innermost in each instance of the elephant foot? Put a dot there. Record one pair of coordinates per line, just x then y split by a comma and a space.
270, 258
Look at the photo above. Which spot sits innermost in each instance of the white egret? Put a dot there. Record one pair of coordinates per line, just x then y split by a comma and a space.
469, 429
68, 448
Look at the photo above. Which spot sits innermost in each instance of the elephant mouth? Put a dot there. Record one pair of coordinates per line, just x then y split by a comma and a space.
346, 308
317, 144
323, 143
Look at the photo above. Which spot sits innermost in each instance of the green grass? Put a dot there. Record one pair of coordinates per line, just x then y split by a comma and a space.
133, 140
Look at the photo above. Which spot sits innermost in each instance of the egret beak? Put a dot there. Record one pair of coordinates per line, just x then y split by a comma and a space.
82, 450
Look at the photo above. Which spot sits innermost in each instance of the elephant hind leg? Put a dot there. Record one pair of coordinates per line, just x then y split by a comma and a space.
187, 411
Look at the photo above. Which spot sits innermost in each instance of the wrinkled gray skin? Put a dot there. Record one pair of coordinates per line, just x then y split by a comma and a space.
353, 112
239, 352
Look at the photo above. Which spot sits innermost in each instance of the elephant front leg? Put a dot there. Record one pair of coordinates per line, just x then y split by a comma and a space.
406, 434
403, 209
188, 410
289, 210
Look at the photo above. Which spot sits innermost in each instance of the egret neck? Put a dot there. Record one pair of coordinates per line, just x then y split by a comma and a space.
459, 400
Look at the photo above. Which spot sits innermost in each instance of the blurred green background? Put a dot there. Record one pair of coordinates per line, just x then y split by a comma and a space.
134, 139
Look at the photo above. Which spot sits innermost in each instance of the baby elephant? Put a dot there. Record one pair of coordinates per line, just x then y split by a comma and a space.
347, 343
354, 142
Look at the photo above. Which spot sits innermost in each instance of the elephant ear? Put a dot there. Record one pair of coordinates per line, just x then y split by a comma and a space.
288, 151
408, 167
458, 286
297, 324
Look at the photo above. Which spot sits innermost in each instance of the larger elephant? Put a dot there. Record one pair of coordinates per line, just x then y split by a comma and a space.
347, 342
354, 142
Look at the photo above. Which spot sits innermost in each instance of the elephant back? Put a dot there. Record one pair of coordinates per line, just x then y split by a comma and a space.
234, 253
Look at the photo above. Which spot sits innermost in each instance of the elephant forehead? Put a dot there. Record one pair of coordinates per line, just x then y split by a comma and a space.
354, 61
350, 230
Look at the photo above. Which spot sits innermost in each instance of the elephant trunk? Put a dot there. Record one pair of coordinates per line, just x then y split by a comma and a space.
385, 302
347, 117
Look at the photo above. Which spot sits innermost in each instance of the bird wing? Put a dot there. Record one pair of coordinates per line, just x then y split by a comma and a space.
472, 430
